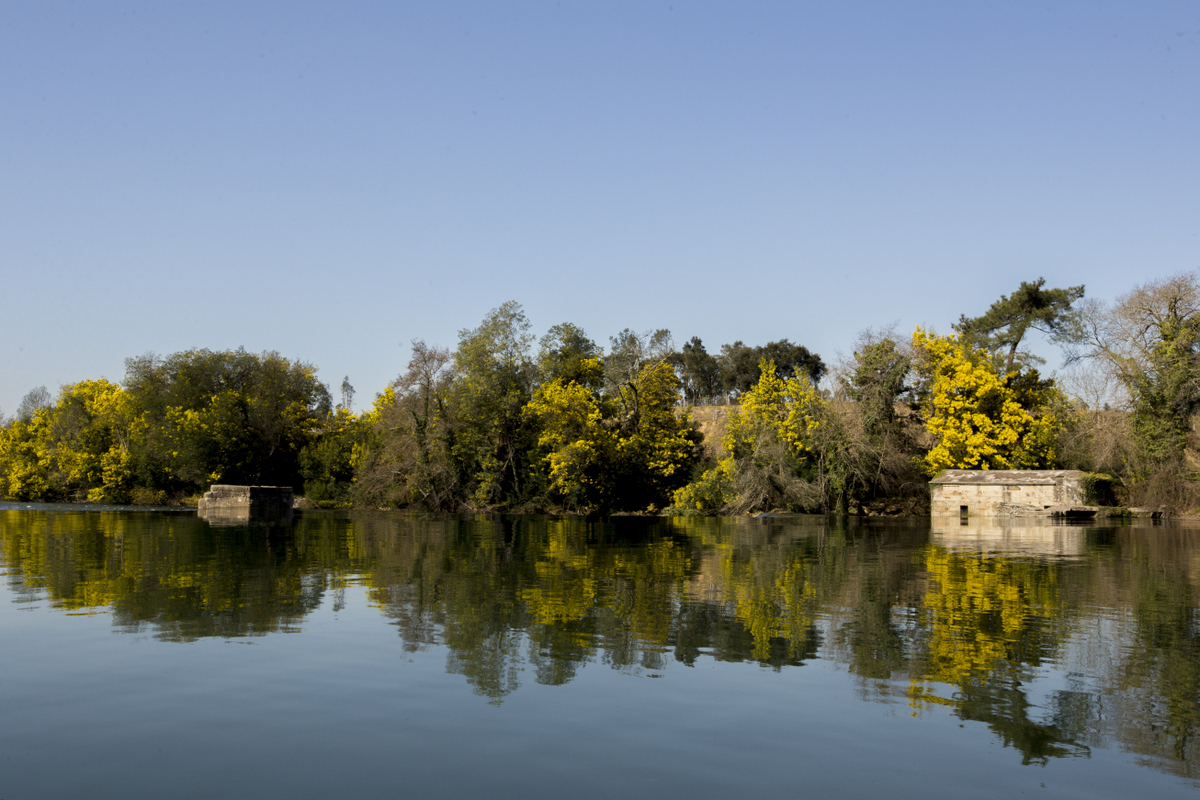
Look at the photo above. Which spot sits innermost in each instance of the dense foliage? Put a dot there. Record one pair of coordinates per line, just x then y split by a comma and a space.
982, 419
1147, 345
179, 425
504, 421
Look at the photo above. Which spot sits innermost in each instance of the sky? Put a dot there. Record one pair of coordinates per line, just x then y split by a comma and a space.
334, 180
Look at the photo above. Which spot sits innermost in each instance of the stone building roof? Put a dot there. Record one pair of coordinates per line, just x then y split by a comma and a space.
1006, 477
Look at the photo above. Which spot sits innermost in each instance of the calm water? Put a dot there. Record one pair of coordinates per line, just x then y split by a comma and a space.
147, 653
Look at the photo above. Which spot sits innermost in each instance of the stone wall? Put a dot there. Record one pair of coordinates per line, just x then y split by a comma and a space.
986, 498
984, 492
233, 504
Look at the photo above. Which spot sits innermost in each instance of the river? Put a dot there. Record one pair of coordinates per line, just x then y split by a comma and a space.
361, 654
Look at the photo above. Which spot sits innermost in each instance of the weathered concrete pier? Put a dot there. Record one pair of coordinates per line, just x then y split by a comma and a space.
237, 505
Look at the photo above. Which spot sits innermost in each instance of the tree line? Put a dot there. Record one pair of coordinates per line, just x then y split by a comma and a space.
560, 423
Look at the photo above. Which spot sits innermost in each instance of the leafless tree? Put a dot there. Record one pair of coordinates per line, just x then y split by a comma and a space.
34, 401
1122, 337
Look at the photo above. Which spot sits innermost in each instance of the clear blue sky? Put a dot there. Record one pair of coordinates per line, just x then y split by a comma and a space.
333, 180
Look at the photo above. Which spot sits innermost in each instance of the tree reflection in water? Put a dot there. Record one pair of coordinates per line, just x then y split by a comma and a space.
971, 619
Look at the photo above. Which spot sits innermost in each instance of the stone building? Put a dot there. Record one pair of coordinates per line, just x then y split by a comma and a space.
967, 492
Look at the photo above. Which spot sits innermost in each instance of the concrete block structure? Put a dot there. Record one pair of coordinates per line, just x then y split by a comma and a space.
234, 504
983, 492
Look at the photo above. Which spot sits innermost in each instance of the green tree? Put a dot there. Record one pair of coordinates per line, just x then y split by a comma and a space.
769, 454
699, 371
658, 446
878, 449
581, 452
567, 354
25, 469
495, 379
75, 449
231, 417
1149, 342
328, 461
599, 457
347, 394
409, 436
1004, 325
741, 364
628, 354
878, 380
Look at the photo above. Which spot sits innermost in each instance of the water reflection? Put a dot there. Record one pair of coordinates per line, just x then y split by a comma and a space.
172, 574
1015, 537
988, 624
1060, 640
